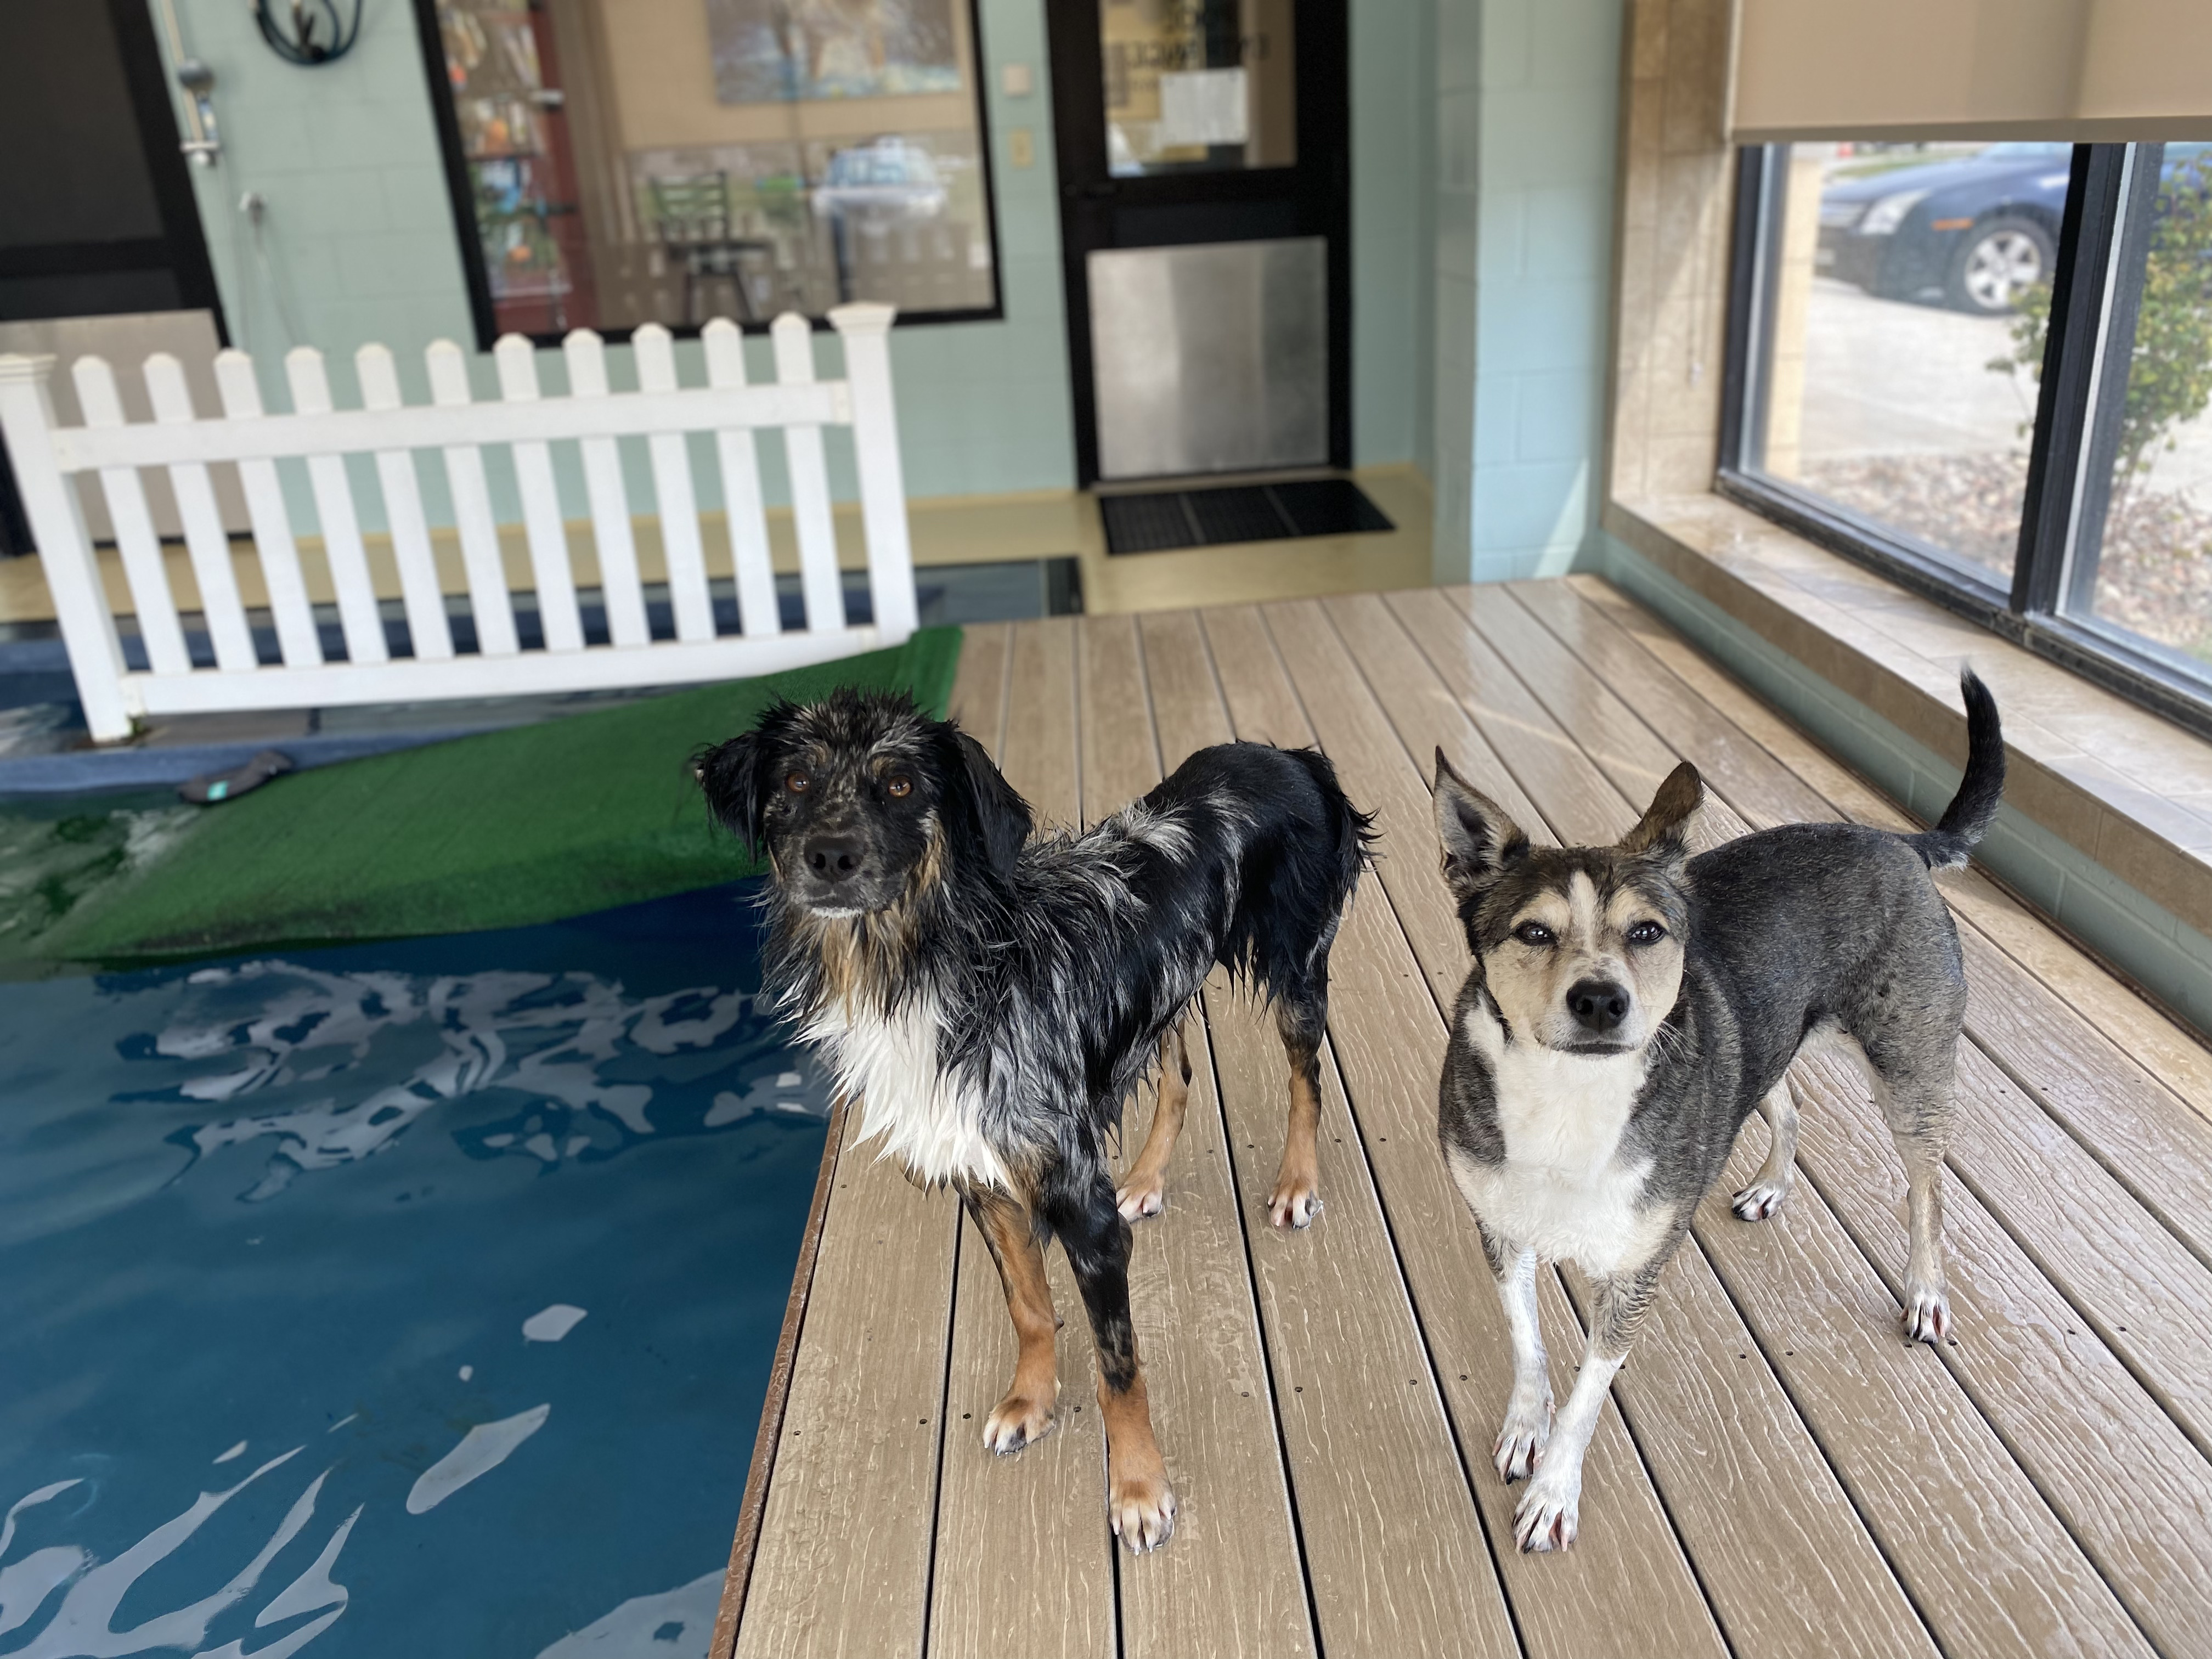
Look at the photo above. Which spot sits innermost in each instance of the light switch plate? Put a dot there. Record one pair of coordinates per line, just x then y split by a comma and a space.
1014, 81
1021, 149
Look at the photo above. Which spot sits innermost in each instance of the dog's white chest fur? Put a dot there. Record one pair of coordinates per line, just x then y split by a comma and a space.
929, 1120
1565, 1190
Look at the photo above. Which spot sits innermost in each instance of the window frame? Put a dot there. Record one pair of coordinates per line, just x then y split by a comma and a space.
461, 198
2098, 209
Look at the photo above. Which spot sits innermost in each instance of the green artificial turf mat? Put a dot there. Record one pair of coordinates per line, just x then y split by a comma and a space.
502, 830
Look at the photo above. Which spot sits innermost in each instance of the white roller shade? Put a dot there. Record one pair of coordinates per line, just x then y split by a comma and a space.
2075, 69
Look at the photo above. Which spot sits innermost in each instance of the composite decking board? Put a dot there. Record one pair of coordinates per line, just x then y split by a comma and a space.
1395, 1553
2147, 1135
1989, 1565
1231, 1580
1025, 1561
2147, 1034
843, 1564
1041, 733
2134, 1493
1580, 804
1798, 1530
2061, 1202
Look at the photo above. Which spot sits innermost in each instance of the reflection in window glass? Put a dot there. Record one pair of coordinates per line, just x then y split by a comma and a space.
671, 161
1196, 86
1891, 385
2142, 556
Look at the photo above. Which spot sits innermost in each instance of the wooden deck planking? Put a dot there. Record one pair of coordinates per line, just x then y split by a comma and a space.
1232, 1582
844, 1561
1374, 1462
1389, 1039
1778, 1545
2034, 1487
1025, 1561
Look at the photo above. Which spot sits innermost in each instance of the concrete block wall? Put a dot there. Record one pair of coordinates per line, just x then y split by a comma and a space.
1527, 96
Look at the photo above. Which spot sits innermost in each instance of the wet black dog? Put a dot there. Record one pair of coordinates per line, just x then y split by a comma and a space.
992, 1001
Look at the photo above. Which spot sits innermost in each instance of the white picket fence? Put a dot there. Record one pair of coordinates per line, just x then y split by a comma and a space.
46, 455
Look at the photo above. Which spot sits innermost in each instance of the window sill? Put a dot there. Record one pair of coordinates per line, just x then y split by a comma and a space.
2127, 789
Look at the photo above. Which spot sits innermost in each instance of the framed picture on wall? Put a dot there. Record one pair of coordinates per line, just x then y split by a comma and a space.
616, 162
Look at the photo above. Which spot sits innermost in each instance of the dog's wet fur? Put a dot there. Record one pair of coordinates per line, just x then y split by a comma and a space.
1630, 1007
991, 1001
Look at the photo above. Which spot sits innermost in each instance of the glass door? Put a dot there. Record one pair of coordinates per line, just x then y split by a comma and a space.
1205, 185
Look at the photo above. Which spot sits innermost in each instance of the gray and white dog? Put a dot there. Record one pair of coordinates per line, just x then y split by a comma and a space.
1630, 1007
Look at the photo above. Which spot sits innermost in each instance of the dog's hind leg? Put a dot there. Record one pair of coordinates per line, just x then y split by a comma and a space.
1779, 1174
1297, 1198
1140, 1506
1145, 1192
1528, 1425
1916, 1103
1008, 1228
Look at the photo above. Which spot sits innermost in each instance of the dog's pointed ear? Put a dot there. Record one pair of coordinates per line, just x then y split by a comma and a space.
1478, 837
1663, 832
1002, 820
730, 775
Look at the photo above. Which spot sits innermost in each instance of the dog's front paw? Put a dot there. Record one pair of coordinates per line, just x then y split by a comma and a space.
1141, 1509
1016, 1422
1761, 1199
1520, 1442
1141, 1195
1296, 1202
1927, 1316
1548, 1510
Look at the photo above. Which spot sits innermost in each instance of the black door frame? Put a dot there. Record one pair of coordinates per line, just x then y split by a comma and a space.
1316, 194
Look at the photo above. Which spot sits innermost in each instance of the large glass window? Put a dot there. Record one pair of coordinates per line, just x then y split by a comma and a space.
1892, 386
1900, 311
2141, 558
625, 162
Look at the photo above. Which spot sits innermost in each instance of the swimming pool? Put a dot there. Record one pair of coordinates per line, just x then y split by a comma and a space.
409, 1298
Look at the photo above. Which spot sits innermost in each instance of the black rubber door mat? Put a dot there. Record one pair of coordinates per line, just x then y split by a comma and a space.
1159, 520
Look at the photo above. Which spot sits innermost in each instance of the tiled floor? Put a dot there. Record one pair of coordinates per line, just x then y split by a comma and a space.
1777, 1474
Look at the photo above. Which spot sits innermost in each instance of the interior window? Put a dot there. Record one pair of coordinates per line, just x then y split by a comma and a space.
625, 162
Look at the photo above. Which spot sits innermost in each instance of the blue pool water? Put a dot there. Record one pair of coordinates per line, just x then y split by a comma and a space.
411, 1299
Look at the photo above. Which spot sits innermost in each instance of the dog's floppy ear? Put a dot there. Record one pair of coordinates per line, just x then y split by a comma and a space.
999, 819
1478, 836
1663, 832
732, 776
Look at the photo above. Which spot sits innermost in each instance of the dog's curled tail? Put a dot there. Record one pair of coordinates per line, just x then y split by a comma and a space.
1967, 818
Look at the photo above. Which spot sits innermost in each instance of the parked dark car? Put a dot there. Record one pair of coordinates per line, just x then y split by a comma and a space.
1975, 231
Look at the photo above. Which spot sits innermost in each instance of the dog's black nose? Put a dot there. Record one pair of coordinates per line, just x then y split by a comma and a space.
1597, 1004
832, 859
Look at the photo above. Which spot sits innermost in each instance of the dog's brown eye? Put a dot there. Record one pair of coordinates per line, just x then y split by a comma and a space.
1646, 933
797, 782
900, 788
1533, 932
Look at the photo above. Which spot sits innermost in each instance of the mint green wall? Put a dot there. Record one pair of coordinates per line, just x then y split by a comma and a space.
361, 248
1528, 93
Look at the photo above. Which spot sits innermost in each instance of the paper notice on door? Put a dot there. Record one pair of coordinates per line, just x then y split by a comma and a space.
1203, 107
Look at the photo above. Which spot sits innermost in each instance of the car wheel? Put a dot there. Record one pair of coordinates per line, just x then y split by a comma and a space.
1999, 261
